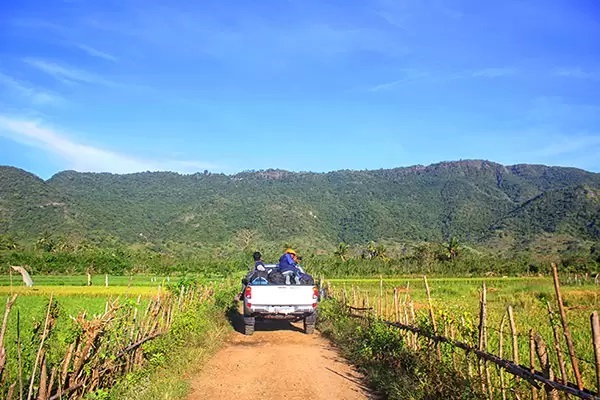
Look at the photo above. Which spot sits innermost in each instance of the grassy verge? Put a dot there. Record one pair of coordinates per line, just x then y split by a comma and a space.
194, 336
390, 367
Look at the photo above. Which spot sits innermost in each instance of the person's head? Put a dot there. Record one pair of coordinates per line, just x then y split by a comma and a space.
257, 255
293, 254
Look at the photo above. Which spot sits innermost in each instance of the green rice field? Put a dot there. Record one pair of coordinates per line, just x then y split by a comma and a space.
456, 301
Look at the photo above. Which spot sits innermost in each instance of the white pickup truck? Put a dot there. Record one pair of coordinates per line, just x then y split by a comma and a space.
271, 301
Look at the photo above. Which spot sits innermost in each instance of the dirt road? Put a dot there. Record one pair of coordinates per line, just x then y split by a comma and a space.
278, 362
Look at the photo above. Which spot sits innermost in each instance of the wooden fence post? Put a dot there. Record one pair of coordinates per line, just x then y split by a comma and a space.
513, 331
41, 347
501, 354
557, 347
596, 341
483, 366
106, 280
385, 309
567, 332
396, 310
532, 362
379, 309
432, 315
542, 353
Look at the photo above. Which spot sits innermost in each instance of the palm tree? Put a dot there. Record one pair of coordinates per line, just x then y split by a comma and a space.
452, 248
341, 251
7, 242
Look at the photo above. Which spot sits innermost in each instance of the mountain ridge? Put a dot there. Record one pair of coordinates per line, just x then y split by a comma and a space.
468, 199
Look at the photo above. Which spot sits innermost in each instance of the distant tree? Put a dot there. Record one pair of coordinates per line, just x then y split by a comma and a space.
380, 252
452, 248
246, 237
45, 242
7, 242
341, 251
595, 252
369, 252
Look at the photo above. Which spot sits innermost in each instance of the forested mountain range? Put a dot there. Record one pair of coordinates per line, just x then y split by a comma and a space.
478, 202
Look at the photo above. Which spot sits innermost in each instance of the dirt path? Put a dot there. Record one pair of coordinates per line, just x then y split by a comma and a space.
278, 362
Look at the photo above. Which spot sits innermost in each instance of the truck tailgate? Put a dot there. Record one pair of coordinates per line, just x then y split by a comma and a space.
283, 295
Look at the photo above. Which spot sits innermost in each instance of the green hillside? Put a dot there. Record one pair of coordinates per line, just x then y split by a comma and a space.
470, 200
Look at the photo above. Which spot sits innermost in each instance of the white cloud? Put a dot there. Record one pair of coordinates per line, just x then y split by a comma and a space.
67, 74
96, 53
576, 72
86, 158
22, 89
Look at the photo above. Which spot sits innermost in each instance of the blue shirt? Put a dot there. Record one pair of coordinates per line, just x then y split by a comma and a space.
287, 263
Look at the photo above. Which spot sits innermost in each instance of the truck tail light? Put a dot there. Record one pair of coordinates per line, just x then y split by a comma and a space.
248, 293
315, 296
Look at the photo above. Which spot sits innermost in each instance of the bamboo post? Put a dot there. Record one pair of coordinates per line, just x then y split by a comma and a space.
385, 312
596, 341
11, 390
542, 353
37, 358
513, 331
396, 310
405, 309
557, 347
484, 368
19, 354
532, 362
463, 324
432, 315
566, 331
380, 295
453, 337
413, 319
501, 354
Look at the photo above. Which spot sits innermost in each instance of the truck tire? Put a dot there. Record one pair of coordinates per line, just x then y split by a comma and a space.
309, 323
309, 329
249, 326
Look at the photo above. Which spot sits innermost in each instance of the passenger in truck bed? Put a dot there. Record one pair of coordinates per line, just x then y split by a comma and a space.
288, 266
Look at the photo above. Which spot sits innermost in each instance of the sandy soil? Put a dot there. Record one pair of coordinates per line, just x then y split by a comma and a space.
278, 362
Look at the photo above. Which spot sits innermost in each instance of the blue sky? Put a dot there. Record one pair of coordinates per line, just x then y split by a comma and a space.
303, 85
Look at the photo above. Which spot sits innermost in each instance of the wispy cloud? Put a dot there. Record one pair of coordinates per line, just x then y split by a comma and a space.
576, 72
83, 157
497, 72
67, 74
409, 75
97, 53
28, 92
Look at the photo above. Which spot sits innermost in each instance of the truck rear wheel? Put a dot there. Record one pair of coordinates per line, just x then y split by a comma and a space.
249, 326
309, 324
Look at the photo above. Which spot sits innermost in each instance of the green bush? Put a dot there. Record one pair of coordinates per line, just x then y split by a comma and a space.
390, 367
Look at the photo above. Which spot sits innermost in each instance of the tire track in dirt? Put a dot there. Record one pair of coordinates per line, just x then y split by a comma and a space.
278, 362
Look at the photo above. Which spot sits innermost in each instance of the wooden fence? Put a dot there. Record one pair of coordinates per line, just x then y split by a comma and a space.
108, 345
469, 354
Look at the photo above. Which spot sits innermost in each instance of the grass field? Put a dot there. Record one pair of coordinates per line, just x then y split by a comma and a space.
456, 299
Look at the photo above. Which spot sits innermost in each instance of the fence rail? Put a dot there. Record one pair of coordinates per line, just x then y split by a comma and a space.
109, 345
542, 383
